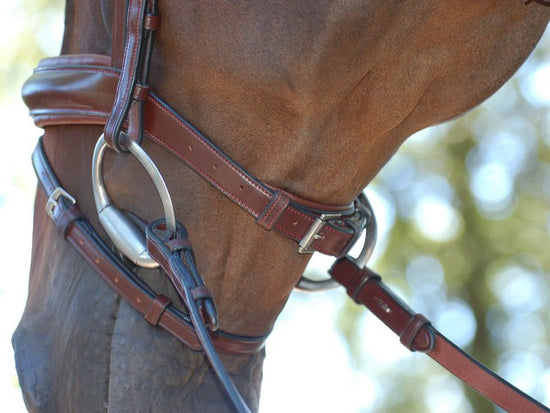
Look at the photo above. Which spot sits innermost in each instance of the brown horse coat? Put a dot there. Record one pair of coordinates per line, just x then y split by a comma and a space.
311, 96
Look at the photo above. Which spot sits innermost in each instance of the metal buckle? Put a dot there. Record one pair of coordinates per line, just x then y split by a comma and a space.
313, 233
53, 200
364, 208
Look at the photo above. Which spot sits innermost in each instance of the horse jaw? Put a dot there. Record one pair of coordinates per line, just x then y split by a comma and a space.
314, 97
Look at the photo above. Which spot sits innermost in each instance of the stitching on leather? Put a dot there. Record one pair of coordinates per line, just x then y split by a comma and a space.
210, 178
124, 85
271, 215
281, 203
68, 111
131, 26
79, 69
208, 146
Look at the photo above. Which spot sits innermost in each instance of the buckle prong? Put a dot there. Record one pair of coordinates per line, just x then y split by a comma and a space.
314, 232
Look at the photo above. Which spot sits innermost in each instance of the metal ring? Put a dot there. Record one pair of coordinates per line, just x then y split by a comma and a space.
370, 234
121, 230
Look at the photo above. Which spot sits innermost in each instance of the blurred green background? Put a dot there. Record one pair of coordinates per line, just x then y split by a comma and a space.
464, 215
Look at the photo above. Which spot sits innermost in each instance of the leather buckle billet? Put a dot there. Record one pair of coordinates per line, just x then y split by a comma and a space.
53, 200
314, 232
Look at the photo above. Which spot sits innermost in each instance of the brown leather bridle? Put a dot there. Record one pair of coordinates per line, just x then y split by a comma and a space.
111, 91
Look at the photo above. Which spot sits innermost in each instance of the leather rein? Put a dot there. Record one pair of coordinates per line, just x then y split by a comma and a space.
113, 91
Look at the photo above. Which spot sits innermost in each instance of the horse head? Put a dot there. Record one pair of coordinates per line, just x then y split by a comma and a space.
311, 98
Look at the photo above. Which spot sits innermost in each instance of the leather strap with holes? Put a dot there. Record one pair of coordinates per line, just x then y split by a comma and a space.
417, 334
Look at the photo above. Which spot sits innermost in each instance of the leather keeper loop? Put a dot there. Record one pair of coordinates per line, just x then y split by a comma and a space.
64, 217
357, 230
371, 276
201, 292
152, 22
156, 309
272, 212
141, 93
411, 338
135, 128
179, 244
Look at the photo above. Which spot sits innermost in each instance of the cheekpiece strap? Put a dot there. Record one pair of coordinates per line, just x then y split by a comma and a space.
140, 23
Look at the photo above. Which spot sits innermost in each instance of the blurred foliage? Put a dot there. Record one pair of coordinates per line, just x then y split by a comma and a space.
32, 30
469, 246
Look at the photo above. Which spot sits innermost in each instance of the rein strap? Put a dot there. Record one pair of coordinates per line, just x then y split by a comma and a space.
417, 334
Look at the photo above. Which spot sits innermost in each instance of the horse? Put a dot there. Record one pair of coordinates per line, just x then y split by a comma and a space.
312, 97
